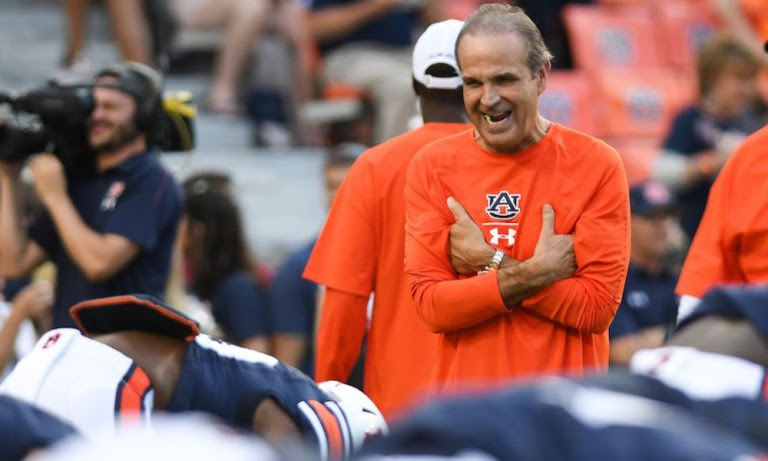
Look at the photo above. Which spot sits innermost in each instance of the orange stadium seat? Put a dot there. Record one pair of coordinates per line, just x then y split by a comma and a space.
569, 100
638, 155
640, 102
461, 9
625, 2
603, 36
684, 26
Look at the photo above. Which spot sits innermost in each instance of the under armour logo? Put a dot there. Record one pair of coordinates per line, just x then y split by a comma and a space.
51, 340
509, 236
503, 205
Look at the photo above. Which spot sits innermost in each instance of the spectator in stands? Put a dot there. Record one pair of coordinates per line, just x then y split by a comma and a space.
367, 43
704, 135
18, 320
129, 26
294, 300
25, 303
218, 263
242, 21
648, 308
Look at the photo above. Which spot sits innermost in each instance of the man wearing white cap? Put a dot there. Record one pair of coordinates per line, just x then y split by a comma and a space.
367, 219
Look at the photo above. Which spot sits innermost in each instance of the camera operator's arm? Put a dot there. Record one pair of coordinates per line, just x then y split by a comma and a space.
19, 254
99, 256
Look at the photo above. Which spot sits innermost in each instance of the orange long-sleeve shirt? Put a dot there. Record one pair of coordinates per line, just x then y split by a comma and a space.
731, 243
359, 251
562, 328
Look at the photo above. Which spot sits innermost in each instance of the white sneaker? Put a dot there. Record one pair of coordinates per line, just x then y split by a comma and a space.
78, 70
274, 134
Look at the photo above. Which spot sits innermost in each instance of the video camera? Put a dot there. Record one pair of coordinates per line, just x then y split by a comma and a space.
60, 125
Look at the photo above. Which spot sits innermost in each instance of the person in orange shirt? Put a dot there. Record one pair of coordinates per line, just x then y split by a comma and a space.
552, 212
731, 243
360, 249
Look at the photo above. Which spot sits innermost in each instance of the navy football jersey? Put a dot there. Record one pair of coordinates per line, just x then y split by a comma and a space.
24, 427
230, 382
617, 416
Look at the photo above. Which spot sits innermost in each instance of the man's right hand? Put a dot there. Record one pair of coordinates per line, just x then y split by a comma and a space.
469, 251
554, 252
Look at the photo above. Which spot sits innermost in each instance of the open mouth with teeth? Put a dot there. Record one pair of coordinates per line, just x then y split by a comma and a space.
496, 118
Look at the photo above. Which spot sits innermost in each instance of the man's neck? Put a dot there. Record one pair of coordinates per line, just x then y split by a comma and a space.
107, 160
442, 112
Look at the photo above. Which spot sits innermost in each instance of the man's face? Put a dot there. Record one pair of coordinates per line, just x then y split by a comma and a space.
650, 235
501, 93
111, 125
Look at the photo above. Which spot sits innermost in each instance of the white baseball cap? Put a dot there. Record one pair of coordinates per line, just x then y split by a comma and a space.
437, 45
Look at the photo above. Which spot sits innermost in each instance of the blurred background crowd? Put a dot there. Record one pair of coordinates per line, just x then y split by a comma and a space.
290, 92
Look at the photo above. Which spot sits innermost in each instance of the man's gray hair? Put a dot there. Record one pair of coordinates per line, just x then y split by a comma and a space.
500, 18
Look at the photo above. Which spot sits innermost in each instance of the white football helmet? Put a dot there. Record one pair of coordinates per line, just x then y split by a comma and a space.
364, 419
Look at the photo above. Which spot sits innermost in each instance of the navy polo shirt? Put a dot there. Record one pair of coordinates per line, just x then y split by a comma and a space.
293, 300
138, 199
648, 301
694, 132
394, 28
239, 306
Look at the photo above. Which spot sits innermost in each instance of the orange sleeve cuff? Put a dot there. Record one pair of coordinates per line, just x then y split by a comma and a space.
456, 304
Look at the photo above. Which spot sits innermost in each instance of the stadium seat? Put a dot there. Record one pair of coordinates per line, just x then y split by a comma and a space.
602, 36
460, 9
684, 26
638, 155
624, 2
569, 100
640, 102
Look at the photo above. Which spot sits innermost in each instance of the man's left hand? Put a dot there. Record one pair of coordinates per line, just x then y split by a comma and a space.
50, 182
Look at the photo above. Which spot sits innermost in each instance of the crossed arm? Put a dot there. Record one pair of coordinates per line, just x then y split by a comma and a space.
548, 283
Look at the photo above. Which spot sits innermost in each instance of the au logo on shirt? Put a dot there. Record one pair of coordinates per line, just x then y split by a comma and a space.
503, 205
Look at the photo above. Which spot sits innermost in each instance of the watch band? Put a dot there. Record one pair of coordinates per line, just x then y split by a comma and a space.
496, 260
494, 263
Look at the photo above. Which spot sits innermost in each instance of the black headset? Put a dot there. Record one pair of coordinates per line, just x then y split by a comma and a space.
145, 85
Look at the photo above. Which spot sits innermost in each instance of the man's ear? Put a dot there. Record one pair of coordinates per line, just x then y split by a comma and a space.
542, 74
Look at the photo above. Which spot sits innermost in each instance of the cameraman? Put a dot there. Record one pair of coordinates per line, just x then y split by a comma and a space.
110, 232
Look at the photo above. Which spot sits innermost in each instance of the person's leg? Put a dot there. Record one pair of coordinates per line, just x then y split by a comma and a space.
129, 26
243, 21
291, 24
243, 28
385, 74
76, 12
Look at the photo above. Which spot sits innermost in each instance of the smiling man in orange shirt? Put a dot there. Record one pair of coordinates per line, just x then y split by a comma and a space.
360, 249
552, 207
